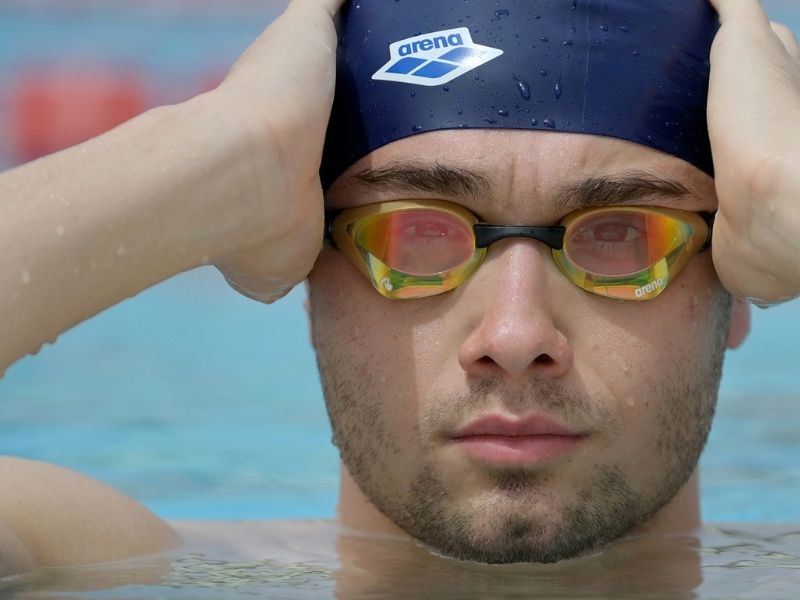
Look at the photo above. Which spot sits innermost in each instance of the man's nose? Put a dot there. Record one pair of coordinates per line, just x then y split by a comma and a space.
515, 333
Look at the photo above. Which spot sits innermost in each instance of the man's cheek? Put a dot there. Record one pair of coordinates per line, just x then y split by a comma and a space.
333, 281
627, 373
344, 307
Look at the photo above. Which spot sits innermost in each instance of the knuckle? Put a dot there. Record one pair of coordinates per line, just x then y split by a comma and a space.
787, 36
782, 30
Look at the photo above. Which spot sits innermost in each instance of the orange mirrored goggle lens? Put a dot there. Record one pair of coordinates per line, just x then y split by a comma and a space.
419, 242
619, 243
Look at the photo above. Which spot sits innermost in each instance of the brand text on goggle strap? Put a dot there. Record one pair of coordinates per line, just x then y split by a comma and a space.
650, 287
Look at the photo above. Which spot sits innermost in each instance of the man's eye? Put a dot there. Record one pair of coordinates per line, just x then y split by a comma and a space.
427, 230
616, 232
620, 228
610, 244
424, 243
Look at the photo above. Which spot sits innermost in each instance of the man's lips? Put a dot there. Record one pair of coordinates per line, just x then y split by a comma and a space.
498, 425
532, 440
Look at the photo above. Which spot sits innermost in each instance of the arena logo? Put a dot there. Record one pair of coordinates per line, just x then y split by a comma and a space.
435, 58
649, 288
425, 44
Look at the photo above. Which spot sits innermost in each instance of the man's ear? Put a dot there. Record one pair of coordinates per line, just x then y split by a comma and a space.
740, 323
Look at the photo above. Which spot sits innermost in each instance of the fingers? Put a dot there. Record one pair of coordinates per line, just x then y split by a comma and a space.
748, 10
305, 30
330, 6
788, 39
748, 35
751, 15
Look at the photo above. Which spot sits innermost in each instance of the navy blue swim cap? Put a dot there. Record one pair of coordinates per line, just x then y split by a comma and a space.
629, 69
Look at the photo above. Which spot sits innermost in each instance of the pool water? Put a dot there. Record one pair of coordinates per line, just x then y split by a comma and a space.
319, 560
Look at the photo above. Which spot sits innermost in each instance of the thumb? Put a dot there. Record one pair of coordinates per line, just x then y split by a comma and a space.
331, 6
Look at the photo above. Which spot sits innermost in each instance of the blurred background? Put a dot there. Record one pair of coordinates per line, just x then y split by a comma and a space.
202, 404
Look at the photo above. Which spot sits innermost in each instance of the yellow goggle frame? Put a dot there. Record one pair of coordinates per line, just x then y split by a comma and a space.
418, 248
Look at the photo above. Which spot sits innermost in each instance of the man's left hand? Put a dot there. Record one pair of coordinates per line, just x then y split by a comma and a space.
754, 123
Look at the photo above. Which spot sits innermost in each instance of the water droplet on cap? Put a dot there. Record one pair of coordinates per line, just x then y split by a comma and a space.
524, 89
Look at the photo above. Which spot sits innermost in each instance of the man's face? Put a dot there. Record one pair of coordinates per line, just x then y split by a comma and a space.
634, 382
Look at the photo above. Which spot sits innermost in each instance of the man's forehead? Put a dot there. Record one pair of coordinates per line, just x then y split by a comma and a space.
509, 163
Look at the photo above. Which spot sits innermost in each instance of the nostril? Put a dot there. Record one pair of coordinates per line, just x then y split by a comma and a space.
490, 353
542, 360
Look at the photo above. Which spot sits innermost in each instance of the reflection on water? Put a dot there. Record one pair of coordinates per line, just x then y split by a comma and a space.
199, 571
317, 559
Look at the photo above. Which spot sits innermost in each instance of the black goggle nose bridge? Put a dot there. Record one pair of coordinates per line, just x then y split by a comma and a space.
486, 235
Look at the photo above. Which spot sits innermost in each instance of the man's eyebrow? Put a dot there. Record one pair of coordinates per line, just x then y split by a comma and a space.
446, 180
443, 180
623, 188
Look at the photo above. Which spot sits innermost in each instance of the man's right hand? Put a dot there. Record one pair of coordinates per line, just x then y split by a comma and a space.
282, 89
227, 178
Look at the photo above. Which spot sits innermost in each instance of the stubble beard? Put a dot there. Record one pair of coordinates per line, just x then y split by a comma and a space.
510, 529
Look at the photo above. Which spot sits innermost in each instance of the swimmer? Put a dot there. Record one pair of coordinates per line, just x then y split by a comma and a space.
500, 311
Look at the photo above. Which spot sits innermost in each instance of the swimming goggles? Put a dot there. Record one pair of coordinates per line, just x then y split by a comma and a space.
419, 248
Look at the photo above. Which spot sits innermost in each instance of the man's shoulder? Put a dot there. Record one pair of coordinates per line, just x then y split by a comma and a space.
52, 516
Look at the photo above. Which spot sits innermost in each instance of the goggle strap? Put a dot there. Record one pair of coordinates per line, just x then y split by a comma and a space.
330, 217
486, 235
708, 217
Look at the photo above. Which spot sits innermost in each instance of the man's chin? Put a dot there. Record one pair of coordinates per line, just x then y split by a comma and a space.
516, 540
522, 518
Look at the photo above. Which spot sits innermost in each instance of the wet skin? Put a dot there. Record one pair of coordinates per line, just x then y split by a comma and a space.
636, 381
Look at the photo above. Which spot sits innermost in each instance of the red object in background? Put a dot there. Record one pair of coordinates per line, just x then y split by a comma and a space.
52, 110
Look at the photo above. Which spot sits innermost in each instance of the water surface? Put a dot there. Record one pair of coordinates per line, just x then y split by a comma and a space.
319, 560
